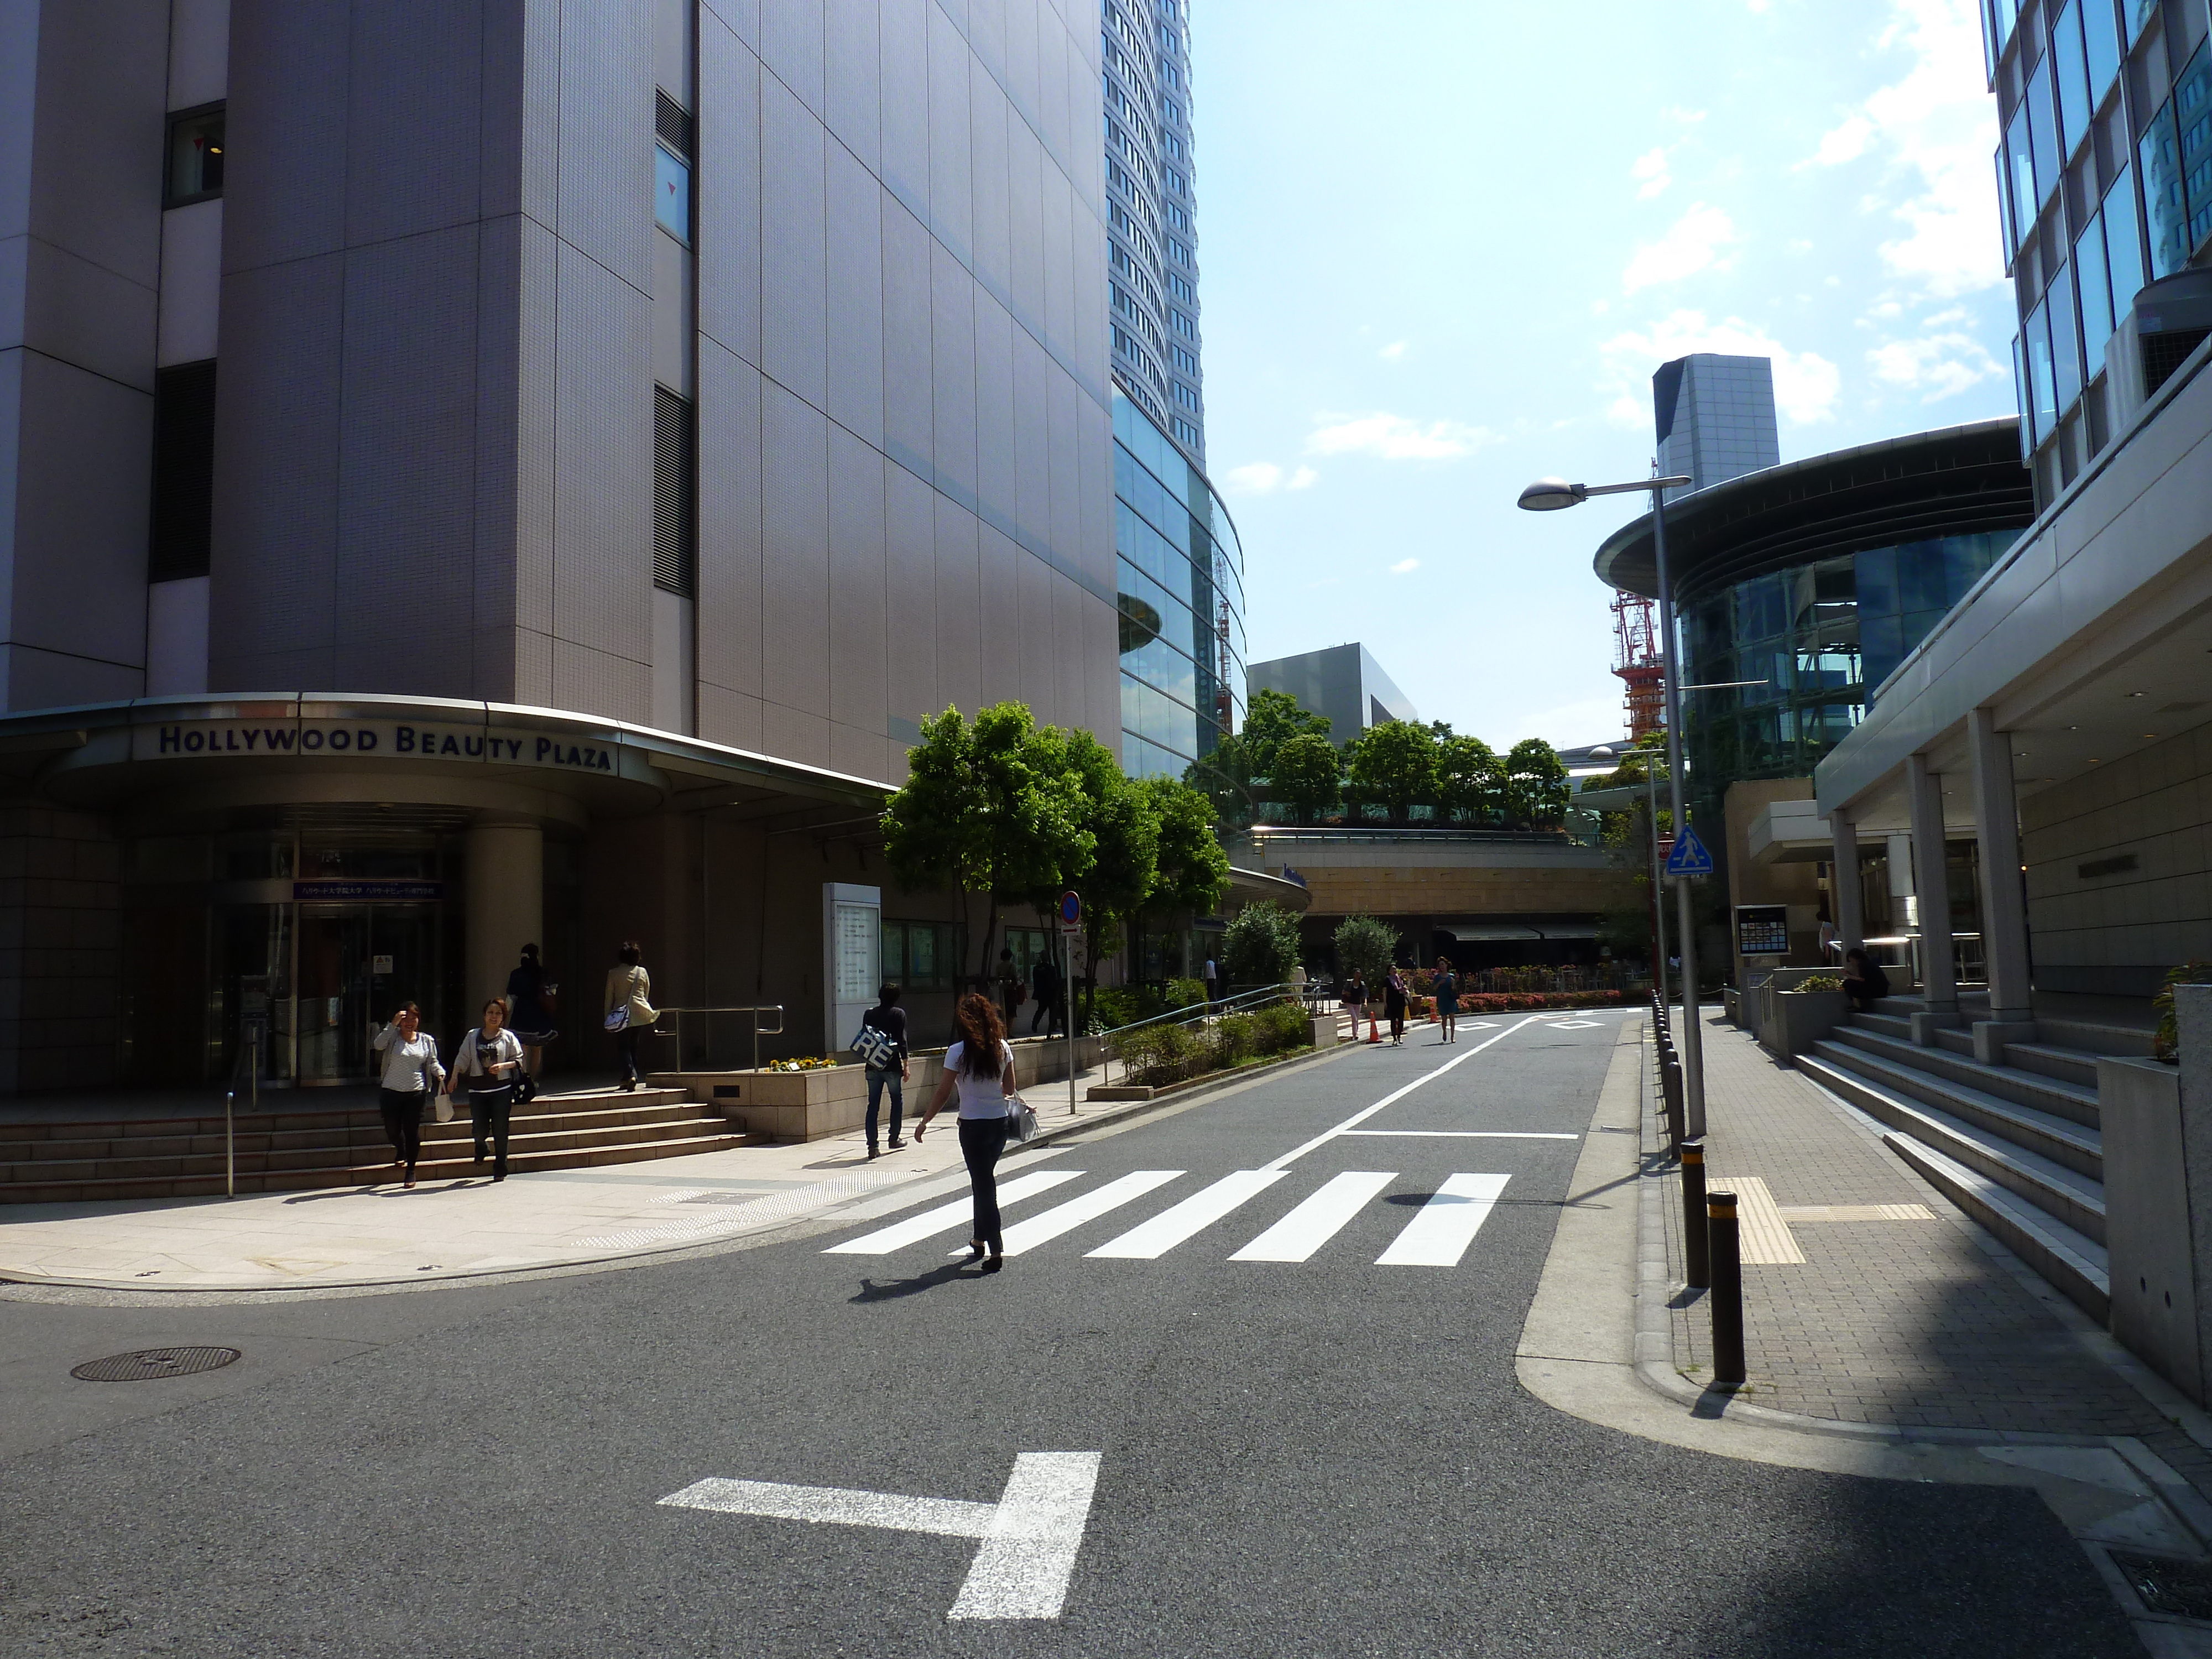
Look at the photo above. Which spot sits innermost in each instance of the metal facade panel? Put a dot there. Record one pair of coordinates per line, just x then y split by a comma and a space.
795, 585
1035, 639
997, 490
102, 96
729, 186
851, 101
794, 254
1026, 166
1032, 373
909, 411
998, 565
960, 638
284, 178
606, 147
910, 594
414, 90
952, 375
951, 187
854, 285
729, 556
902, 53
858, 622
1062, 317
791, 47
988, 146
508, 427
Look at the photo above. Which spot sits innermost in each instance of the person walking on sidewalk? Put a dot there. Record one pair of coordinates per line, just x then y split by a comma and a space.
408, 1083
1212, 980
487, 1062
530, 1009
1354, 997
980, 1065
1044, 984
1446, 987
1393, 1005
629, 993
889, 1019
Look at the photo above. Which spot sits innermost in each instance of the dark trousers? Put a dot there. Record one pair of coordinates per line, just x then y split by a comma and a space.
1397, 1013
403, 1121
877, 1081
1047, 1015
626, 1052
490, 1116
981, 1140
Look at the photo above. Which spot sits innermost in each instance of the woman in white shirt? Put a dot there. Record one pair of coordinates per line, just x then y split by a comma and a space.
486, 1061
980, 1065
408, 1083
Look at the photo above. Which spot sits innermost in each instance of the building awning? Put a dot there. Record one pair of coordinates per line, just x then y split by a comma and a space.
1528, 931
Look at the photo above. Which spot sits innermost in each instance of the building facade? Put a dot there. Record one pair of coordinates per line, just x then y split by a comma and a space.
538, 464
1342, 683
1715, 419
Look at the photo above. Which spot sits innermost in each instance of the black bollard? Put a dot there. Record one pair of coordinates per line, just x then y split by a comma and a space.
1696, 1259
1670, 1088
1727, 1293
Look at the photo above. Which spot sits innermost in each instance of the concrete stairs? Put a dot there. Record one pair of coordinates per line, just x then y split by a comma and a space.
298, 1149
2017, 1147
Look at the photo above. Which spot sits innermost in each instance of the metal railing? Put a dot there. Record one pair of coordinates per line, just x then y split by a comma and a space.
759, 1029
1196, 1013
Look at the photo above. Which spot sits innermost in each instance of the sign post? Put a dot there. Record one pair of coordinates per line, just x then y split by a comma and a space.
1071, 924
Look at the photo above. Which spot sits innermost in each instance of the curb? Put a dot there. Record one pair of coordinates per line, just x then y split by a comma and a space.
1048, 1131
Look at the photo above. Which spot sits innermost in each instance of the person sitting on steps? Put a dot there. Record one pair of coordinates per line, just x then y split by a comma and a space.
1863, 981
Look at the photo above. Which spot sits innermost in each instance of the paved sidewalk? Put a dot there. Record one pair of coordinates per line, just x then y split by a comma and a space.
1889, 1318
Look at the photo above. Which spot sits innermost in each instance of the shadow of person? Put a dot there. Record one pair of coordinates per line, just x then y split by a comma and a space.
889, 1289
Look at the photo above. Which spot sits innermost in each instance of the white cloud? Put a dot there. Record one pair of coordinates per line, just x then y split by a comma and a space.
1395, 438
1939, 365
1806, 383
1304, 478
1691, 243
1934, 126
1405, 567
1650, 171
1254, 478
1392, 352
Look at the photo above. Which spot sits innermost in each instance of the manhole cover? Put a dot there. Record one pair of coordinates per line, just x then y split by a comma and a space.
2182, 1588
150, 1363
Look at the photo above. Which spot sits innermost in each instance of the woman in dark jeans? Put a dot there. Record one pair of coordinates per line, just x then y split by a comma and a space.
980, 1065
1863, 981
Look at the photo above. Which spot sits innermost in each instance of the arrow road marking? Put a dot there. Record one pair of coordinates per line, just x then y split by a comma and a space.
1029, 1537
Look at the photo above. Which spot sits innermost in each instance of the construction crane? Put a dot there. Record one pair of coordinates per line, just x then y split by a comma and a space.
1636, 658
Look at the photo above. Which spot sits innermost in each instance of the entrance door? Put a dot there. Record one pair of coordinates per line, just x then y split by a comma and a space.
358, 963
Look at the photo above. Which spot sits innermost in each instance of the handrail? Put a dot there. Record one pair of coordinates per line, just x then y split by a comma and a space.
755, 1009
1202, 1010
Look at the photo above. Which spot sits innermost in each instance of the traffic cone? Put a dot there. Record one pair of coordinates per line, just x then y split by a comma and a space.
1373, 1035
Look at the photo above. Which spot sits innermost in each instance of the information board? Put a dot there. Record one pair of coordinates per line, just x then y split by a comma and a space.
1762, 930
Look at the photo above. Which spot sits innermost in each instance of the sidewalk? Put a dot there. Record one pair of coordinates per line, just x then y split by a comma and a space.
1869, 1299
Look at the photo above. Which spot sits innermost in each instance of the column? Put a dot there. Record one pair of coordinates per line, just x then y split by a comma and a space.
1938, 979
506, 906
1844, 894
2004, 907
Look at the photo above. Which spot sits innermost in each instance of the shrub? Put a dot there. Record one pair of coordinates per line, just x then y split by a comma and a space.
1820, 982
1113, 1008
1261, 945
2166, 1044
1283, 1025
1159, 1054
1185, 993
1236, 1036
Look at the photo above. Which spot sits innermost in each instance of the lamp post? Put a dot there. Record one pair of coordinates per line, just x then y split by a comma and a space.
1549, 495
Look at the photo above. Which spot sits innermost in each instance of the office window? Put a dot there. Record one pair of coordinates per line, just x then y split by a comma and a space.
2123, 245
2092, 275
1182, 290
675, 496
919, 955
1182, 325
671, 167
1186, 397
2042, 373
1185, 360
2067, 50
2065, 347
195, 156
2101, 28
2138, 14
2166, 213
2043, 130
1185, 432
2020, 398
2192, 115
183, 471
2021, 152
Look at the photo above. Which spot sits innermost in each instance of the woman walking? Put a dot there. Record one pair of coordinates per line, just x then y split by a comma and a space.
629, 988
409, 1077
980, 1065
1393, 1005
487, 1062
1446, 987
530, 1009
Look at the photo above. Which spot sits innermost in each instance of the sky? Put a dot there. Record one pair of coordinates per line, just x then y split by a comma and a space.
1444, 244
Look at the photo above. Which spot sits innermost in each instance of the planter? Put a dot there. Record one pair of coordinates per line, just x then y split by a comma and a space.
1801, 1018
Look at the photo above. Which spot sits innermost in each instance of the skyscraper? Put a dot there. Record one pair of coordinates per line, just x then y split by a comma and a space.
1150, 229
1715, 418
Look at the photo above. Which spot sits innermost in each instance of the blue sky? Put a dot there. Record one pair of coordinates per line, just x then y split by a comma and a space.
1445, 242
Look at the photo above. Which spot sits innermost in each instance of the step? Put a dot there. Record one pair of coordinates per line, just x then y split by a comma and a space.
2072, 1261
2090, 1039
2034, 1090
2068, 1065
1896, 1025
2075, 1199
380, 1174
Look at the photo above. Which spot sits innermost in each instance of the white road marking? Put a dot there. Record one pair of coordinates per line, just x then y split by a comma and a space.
1396, 1095
1465, 1135
1030, 1538
1314, 1222
1170, 1227
1439, 1235
1574, 1024
1065, 1218
946, 1217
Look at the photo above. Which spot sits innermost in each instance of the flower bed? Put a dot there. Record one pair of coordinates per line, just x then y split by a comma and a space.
1160, 1054
1513, 1002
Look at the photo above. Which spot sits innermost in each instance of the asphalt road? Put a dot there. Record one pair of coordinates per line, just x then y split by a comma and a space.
1324, 1456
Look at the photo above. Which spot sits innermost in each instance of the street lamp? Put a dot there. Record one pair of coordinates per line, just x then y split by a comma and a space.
1549, 495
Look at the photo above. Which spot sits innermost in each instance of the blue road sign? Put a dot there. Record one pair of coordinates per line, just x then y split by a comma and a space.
1689, 857
1071, 908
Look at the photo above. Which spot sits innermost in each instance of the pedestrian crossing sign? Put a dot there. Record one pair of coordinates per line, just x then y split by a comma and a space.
1689, 857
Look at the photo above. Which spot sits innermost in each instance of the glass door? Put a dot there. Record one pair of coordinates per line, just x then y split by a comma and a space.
403, 967
334, 992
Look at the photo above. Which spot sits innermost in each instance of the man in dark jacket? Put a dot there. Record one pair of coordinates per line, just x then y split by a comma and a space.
1044, 982
889, 1019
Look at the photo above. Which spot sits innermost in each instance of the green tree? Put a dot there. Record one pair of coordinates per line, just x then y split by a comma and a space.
1192, 871
1224, 777
1470, 779
1307, 775
1364, 946
1395, 764
1124, 870
1274, 719
1261, 945
1535, 784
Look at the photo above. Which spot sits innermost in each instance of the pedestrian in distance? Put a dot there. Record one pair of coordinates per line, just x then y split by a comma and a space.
1864, 982
1446, 988
630, 1007
486, 1065
1213, 981
529, 1005
981, 1066
409, 1078
1393, 1005
1010, 990
893, 1073
1044, 984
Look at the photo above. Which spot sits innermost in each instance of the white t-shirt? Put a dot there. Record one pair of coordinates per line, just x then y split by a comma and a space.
980, 1096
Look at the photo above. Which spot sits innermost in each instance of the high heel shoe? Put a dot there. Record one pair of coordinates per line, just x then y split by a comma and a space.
998, 1260
974, 1249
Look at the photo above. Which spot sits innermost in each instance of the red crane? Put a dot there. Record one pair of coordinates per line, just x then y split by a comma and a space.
1636, 658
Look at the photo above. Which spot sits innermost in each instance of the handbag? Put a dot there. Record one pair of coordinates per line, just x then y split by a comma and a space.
619, 1019
526, 1088
1021, 1122
875, 1048
441, 1107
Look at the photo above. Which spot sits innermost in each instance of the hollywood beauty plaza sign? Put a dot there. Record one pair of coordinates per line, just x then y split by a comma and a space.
402, 740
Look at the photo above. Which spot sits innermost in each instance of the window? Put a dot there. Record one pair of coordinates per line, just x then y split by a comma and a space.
2138, 14
1170, 112
920, 955
675, 496
2093, 273
2065, 347
2042, 376
2025, 201
2167, 216
2123, 245
672, 167
1185, 432
2102, 30
1185, 360
195, 156
2192, 114
1187, 396
1179, 252
2075, 107
1182, 290
1178, 218
2043, 130
183, 471
1182, 325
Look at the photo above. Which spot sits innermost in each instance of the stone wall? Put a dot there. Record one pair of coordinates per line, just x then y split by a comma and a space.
60, 950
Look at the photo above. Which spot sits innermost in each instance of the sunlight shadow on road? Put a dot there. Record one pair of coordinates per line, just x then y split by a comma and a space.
889, 1289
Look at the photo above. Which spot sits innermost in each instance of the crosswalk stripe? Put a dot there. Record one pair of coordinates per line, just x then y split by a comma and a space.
1317, 1220
1156, 1237
946, 1217
1440, 1232
1065, 1218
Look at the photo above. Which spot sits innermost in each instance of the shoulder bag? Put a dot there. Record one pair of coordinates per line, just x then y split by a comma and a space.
875, 1048
1021, 1122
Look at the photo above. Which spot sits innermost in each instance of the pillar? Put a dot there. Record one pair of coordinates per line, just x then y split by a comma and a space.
2004, 907
1843, 881
1939, 978
506, 906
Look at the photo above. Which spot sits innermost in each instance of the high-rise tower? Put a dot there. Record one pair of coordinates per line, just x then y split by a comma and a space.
1150, 212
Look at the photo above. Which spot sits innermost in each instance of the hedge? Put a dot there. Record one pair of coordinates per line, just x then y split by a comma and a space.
1166, 1054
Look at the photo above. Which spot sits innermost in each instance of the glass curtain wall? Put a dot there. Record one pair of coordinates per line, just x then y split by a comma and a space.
1180, 587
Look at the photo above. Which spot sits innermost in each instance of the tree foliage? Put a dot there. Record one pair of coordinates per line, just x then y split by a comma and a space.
1364, 946
1306, 775
1261, 945
1274, 718
1535, 784
1395, 763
